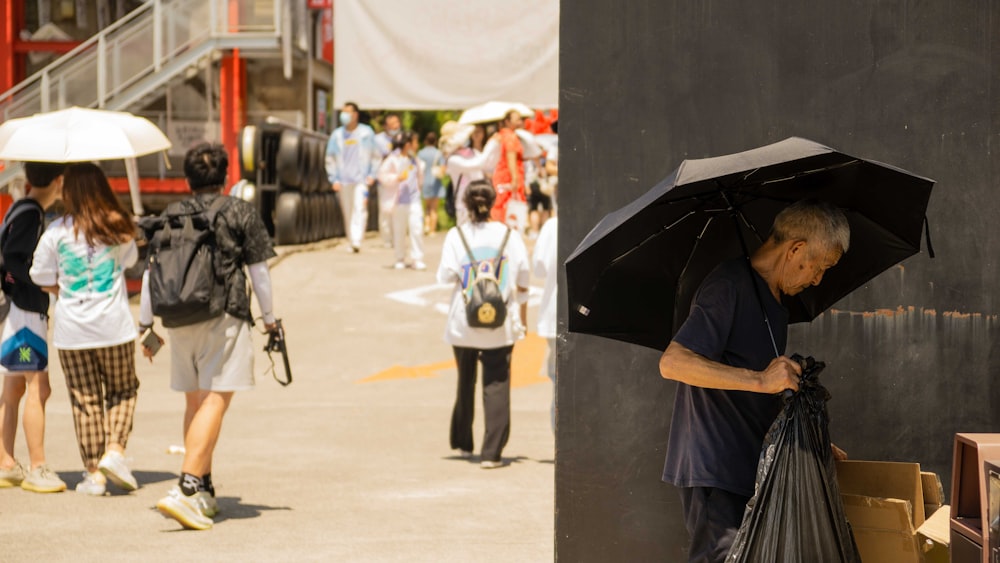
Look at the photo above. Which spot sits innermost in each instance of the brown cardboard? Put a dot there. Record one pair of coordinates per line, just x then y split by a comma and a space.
934, 535
937, 527
886, 503
884, 479
883, 528
933, 492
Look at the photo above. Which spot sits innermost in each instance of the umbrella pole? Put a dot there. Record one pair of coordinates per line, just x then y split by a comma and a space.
753, 279
132, 171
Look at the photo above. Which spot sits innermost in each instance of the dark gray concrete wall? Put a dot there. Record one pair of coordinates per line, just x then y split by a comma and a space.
912, 357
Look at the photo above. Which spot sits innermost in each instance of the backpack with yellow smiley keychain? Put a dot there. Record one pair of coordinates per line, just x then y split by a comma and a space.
485, 306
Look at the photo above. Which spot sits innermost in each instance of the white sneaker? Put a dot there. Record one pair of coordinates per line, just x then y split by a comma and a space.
112, 465
486, 464
12, 477
207, 503
43, 480
418, 265
186, 510
400, 266
92, 484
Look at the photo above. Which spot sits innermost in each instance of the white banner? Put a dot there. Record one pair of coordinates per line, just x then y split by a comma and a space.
445, 54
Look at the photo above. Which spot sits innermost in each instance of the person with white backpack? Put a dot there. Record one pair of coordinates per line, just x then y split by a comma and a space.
472, 253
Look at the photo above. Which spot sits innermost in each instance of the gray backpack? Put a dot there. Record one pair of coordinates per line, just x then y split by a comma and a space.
485, 306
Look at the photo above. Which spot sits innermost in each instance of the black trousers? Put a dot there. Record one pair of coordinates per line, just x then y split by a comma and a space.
496, 399
712, 516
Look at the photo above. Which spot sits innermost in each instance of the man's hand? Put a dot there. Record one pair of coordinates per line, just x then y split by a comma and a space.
336, 186
370, 181
270, 327
782, 373
838, 454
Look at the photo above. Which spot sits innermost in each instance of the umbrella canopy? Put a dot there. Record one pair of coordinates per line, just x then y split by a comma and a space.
492, 111
78, 134
634, 275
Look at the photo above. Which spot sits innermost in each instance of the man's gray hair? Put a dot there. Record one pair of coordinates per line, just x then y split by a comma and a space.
813, 221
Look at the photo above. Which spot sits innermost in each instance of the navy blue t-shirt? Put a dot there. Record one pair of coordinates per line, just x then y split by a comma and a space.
716, 435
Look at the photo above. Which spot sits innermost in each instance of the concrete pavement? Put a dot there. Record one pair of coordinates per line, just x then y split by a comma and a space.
349, 463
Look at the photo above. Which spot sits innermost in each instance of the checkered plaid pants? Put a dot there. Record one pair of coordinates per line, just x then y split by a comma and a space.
95, 374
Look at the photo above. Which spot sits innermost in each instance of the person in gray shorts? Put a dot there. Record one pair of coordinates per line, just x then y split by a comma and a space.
212, 359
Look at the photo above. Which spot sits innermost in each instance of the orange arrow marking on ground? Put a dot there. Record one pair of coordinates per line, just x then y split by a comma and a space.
527, 361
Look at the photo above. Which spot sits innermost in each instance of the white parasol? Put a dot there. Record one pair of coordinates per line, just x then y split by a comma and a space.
492, 111
78, 134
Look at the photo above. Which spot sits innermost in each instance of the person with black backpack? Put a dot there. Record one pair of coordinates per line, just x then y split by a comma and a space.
24, 346
488, 264
201, 252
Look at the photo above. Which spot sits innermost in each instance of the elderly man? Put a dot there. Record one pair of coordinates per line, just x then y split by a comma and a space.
728, 378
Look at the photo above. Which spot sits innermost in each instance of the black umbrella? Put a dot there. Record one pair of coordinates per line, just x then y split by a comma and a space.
634, 275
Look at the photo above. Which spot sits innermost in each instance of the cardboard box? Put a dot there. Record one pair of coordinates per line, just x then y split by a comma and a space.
894, 511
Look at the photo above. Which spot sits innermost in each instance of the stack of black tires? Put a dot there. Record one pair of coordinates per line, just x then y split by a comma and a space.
291, 190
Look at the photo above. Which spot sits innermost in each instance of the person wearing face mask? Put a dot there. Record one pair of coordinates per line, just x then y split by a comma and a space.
403, 172
352, 158
391, 125
386, 195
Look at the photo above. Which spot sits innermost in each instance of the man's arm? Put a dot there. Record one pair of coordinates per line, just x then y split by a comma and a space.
19, 246
332, 170
260, 279
681, 364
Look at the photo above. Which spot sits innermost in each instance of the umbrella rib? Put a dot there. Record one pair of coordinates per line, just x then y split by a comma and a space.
644, 241
751, 226
808, 172
743, 185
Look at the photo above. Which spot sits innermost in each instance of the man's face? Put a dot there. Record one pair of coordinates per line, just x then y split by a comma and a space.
516, 122
348, 116
805, 265
392, 123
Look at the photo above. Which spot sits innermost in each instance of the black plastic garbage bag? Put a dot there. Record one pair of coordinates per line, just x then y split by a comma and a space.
796, 514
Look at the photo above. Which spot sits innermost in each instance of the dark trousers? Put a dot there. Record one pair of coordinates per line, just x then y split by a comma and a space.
496, 399
712, 516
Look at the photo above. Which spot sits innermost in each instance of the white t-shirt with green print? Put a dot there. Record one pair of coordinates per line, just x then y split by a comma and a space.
91, 308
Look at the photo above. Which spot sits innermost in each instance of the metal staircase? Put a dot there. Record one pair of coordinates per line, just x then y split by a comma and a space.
134, 58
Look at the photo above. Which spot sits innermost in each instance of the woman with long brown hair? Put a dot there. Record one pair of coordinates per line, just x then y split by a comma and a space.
81, 258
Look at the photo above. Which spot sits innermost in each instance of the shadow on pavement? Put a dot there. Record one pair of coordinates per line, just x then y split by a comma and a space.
230, 508
152, 477
144, 478
507, 461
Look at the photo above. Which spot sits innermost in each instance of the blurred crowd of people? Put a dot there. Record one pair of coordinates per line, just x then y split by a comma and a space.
414, 174
498, 185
